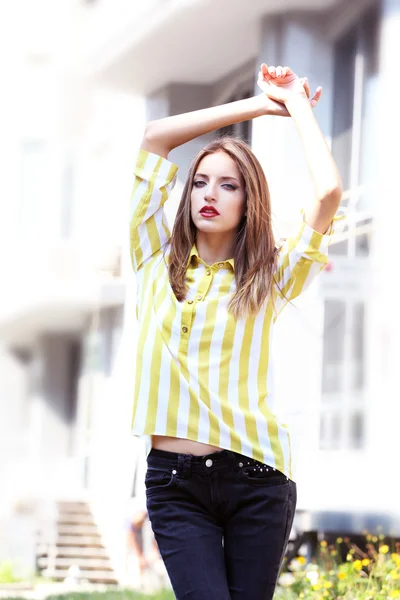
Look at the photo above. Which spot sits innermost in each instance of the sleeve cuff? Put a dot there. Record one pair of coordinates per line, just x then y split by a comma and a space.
337, 225
148, 160
312, 244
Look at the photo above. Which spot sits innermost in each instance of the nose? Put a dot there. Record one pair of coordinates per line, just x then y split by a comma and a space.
210, 194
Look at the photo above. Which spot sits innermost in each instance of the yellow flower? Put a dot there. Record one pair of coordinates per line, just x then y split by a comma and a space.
384, 549
394, 575
339, 540
326, 594
394, 594
382, 536
357, 564
395, 556
365, 562
349, 557
328, 584
301, 560
324, 543
317, 586
374, 538
342, 575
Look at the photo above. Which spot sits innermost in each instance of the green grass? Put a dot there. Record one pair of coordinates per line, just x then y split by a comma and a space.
114, 595
109, 595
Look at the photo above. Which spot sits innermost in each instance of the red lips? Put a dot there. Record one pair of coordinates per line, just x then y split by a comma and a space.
210, 210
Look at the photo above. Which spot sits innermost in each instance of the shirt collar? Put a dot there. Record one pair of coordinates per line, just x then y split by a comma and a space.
194, 259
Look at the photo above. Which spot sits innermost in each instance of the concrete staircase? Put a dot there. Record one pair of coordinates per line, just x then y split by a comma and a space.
77, 544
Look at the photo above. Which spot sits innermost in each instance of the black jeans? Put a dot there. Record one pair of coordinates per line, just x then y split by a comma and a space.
221, 522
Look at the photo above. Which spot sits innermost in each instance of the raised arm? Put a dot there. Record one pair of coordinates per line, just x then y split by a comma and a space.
283, 85
163, 135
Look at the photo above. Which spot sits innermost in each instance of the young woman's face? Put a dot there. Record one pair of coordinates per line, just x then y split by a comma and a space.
218, 184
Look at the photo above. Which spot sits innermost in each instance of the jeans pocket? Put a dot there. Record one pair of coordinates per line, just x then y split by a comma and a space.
159, 478
261, 475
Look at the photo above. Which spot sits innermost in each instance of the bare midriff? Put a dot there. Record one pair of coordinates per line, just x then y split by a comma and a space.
183, 446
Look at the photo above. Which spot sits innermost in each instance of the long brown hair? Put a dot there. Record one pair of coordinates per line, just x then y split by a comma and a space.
254, 249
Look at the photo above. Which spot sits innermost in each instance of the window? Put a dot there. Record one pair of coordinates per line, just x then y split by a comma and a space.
343, 375
333, 350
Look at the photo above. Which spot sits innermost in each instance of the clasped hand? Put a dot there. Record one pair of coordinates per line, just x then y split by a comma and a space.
281, 86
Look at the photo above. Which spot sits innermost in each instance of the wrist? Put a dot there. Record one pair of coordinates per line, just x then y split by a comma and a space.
261, 105
298, 105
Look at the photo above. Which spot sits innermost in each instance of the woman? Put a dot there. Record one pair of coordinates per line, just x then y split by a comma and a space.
219, 486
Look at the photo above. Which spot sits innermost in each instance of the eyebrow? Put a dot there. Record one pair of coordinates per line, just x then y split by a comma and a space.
204, 175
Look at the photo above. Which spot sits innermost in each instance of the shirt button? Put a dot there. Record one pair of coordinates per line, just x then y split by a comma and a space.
190, 301
199, 297
209, 462
208, 272
184, 329
220, 264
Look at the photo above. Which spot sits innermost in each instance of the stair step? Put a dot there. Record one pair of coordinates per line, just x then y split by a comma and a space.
91, 576
93, 541
73, 507
80, 552
75, 519
96, 564
77, 530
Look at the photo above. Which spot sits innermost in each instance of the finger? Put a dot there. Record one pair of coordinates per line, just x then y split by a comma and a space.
306, 87
272, 71
265, 72
279, 71
316, 98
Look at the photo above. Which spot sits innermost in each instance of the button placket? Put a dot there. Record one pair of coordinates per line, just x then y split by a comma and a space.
187, 316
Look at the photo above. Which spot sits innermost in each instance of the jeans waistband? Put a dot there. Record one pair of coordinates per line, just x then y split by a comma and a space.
185, 464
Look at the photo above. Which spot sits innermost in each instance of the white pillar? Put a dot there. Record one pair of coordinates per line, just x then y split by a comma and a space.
385, 405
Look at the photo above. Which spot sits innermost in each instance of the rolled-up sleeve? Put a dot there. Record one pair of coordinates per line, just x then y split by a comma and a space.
301, 258
154, 180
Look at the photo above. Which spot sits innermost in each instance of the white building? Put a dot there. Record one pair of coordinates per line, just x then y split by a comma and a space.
67, 320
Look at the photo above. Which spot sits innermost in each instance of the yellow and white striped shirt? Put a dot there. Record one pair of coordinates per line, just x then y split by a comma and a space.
201, 374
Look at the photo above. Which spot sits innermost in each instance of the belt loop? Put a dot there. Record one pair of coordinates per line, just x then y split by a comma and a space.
184, 465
